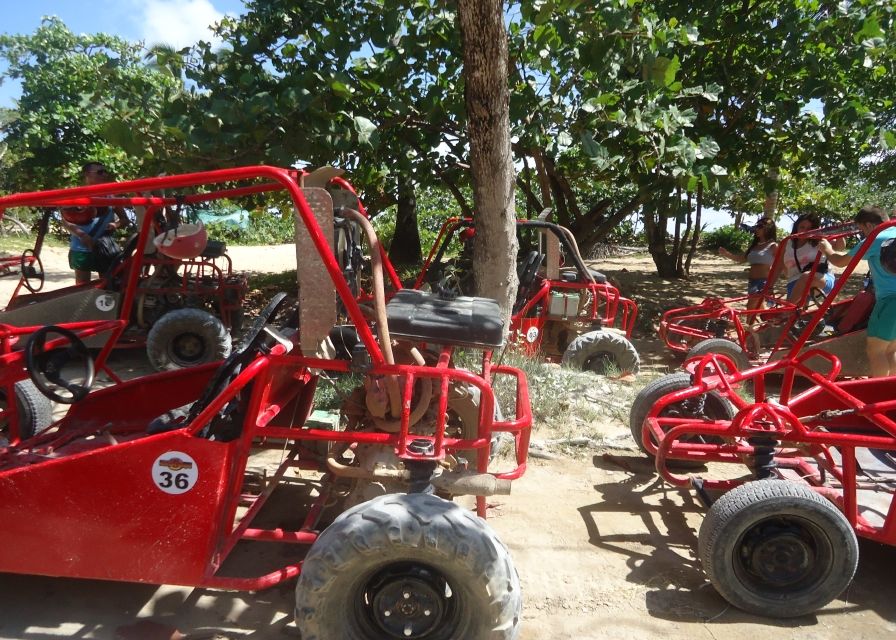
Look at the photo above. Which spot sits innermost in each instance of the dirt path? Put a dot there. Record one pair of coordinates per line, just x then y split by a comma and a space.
268, 259
604, 550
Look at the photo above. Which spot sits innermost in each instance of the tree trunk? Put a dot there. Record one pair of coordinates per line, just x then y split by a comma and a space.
543, 180
405, 249
656, 218
487, 100
696, 238
770, 207
685, 238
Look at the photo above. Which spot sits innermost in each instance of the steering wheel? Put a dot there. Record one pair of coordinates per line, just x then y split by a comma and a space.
29, 272
244, 352
45, 367
126, 252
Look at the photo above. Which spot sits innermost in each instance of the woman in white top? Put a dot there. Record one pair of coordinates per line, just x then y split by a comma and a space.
799, 256
759, 255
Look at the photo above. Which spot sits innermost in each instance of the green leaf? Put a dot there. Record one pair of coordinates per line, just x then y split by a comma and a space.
662, 70
592, 148
707, 148
887, 139
365, 128
341, 89
870, 29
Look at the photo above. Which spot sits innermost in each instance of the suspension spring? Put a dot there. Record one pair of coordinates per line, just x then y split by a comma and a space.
763, 456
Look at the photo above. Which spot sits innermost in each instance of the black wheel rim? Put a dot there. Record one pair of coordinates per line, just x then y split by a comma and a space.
782, 555
407, 600
188, 348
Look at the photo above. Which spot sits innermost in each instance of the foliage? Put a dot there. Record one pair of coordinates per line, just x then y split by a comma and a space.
434, 207
626, 233
264, 228
617, 107
81, 96
729, 236
668, 95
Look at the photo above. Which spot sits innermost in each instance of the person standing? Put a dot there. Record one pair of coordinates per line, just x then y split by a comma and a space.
881, 342
799, 257
759, 256
82, 222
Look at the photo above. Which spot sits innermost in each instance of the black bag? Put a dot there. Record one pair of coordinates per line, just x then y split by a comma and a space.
105, 249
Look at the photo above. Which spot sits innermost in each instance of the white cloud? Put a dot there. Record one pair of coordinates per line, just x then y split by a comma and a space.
179, 23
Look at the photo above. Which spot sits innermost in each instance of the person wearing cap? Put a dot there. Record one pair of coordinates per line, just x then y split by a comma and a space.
759, 256
881, 344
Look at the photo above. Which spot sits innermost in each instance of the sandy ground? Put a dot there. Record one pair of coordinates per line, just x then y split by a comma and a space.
603, 548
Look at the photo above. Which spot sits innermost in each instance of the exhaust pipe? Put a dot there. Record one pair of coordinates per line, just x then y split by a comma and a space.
470, 483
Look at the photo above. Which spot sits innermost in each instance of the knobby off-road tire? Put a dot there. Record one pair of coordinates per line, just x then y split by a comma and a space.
723, 347
35, 410
408, 566
777, 548
714, 407
186, 338
603, 352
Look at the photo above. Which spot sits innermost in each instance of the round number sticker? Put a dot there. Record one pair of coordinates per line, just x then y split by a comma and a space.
105, 302
175, 472
532, 334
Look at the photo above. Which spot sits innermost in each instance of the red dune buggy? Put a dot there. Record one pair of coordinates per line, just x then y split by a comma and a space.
747, 336
182, 310
146, 481
563, 311
820, 469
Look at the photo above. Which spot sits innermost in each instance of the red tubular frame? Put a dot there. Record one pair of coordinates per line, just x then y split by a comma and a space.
811, 430
607, 303
200, 527
676, 325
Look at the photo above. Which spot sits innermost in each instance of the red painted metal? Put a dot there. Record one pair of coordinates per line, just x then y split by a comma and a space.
729, 318
86, 497
608, 308
811, 435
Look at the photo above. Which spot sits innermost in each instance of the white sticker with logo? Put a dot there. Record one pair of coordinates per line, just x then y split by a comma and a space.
105, 302
532, 334
175, 472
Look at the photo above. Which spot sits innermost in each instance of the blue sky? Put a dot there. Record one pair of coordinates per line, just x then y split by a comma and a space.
176, 22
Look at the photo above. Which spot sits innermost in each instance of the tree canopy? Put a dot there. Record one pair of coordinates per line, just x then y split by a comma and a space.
617, 107
80, 96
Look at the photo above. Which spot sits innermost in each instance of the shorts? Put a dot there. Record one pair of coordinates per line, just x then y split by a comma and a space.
826, 289
756, 285
81, 261
882, 324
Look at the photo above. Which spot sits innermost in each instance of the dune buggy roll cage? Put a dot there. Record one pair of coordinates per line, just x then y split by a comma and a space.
788, 430
608, 303
134, 515
714, 317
